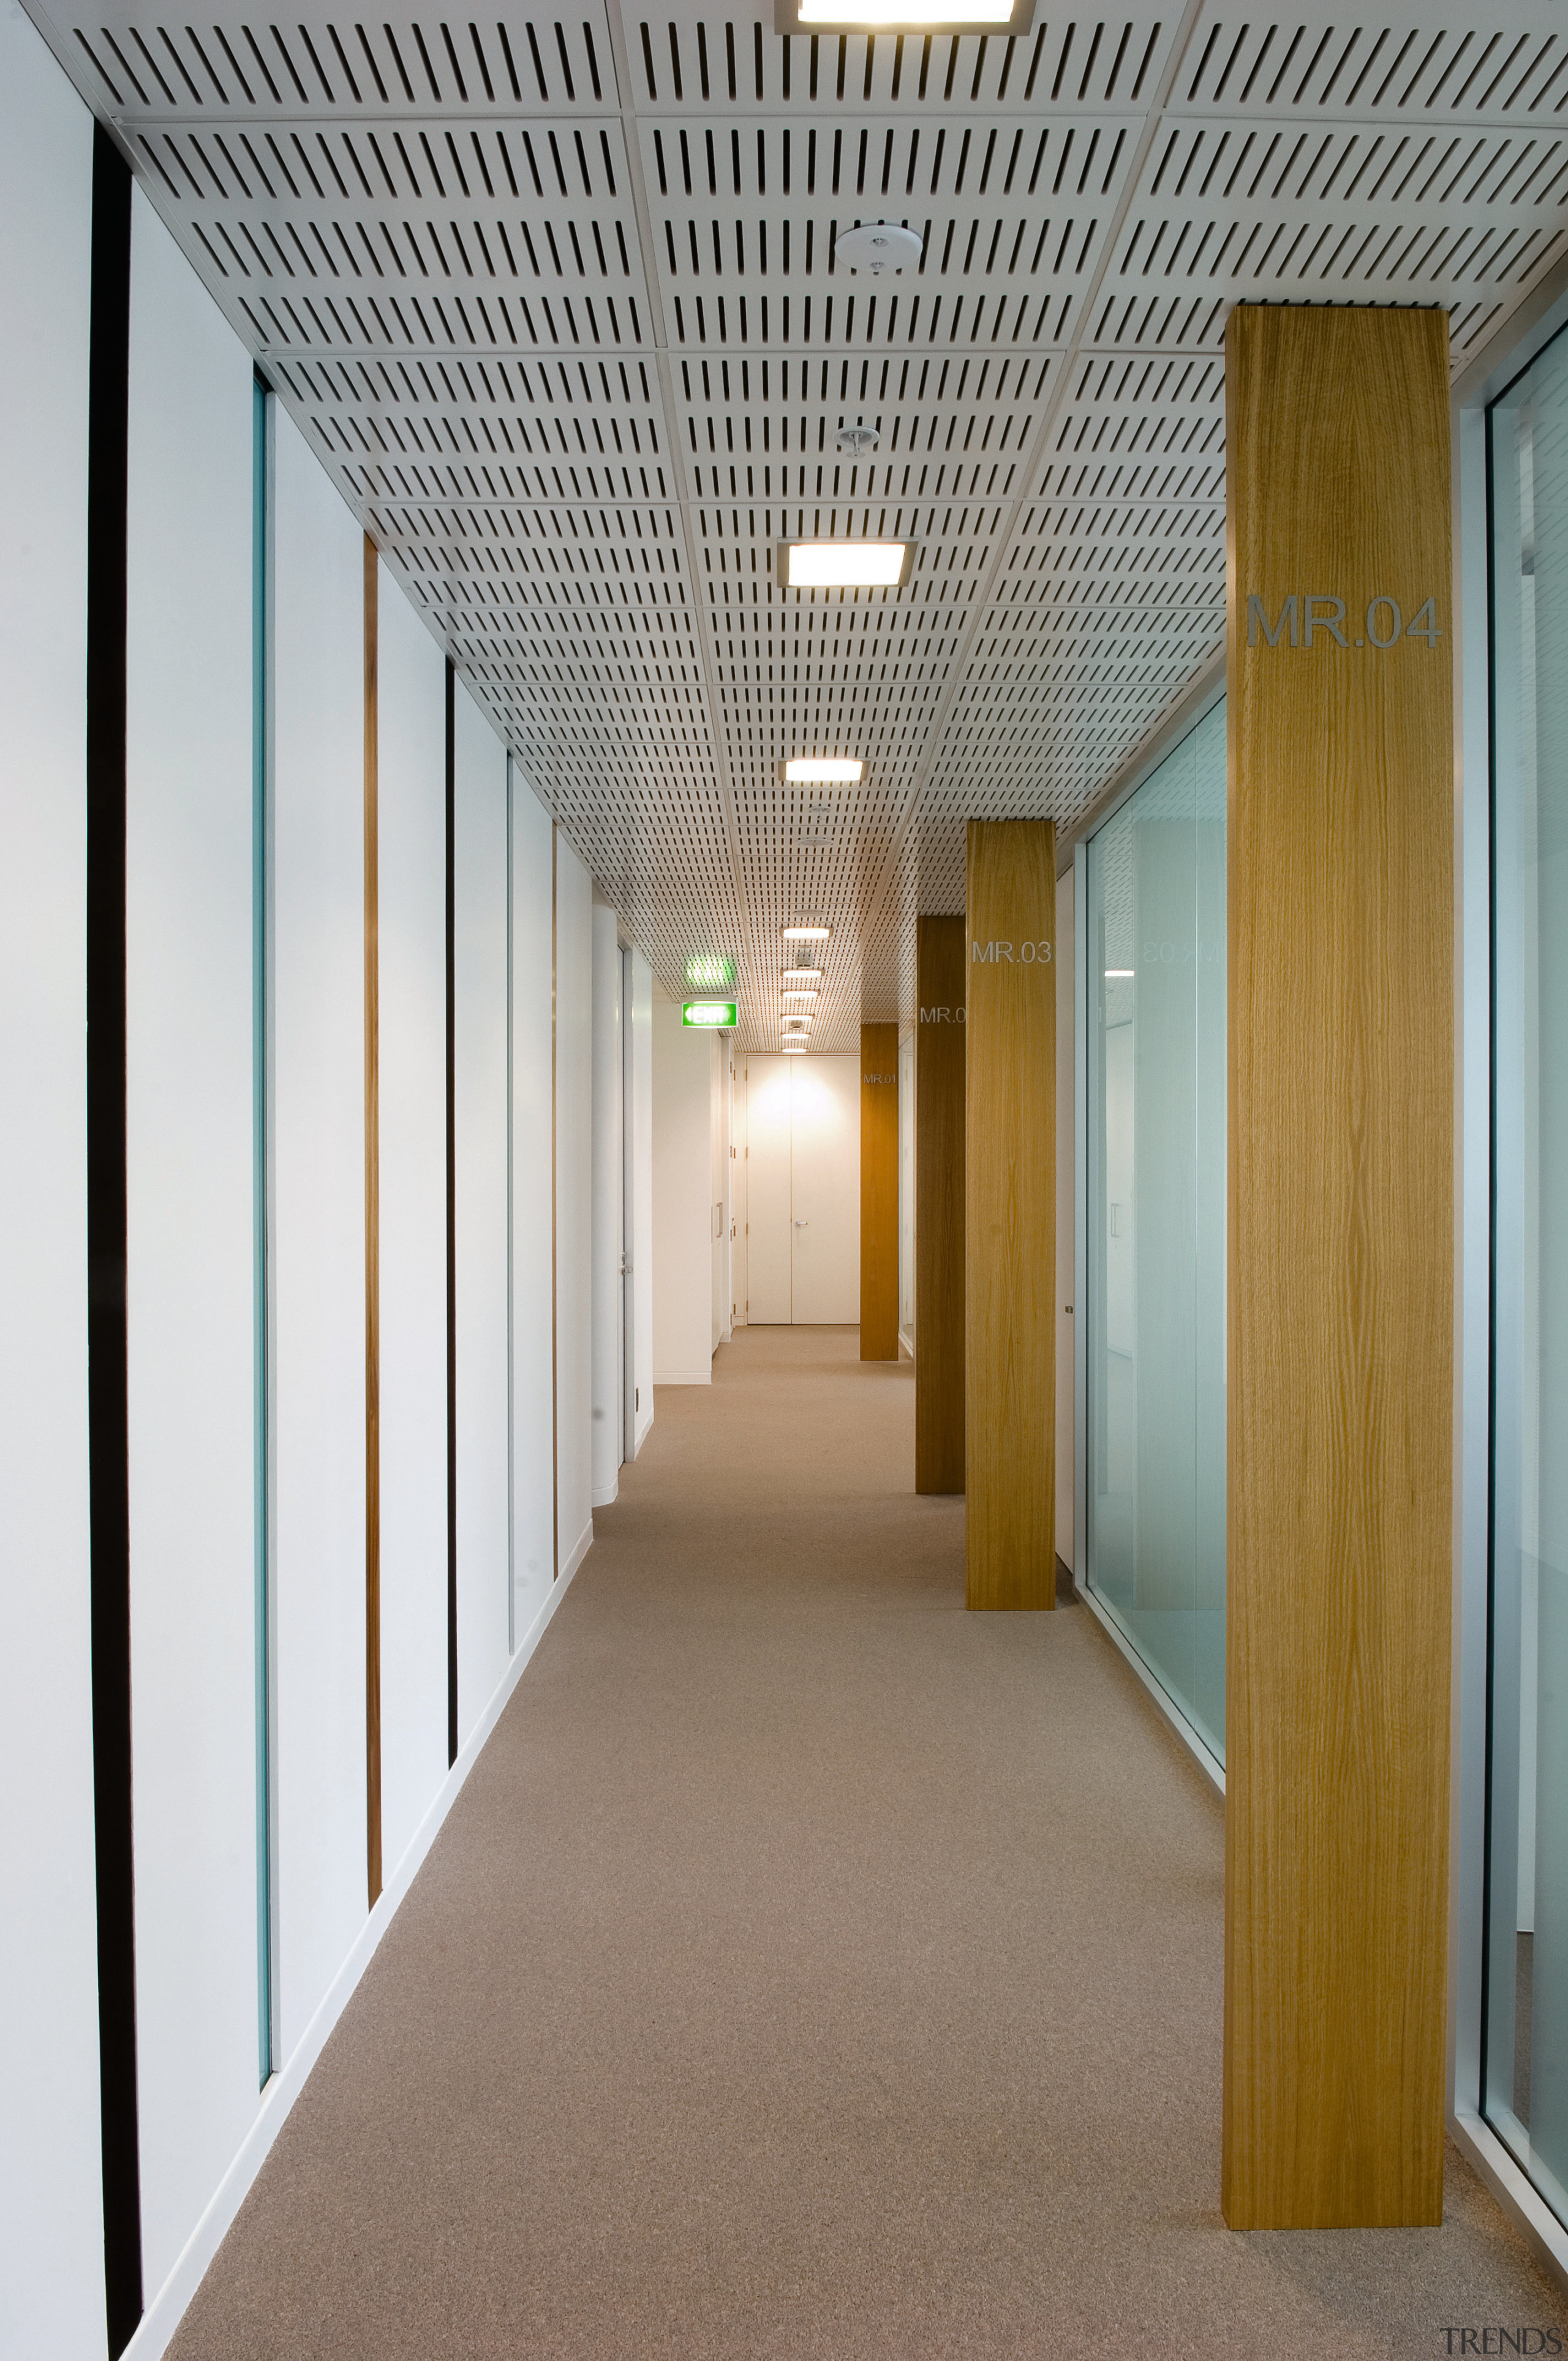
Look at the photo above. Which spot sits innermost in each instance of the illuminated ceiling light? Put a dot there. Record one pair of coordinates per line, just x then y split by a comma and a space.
803, 975
799, 1000
904, 16
806, 934
804, 770
844, 565
794, 1048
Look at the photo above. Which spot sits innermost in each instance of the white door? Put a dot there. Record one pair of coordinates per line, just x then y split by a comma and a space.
768, 1190
824, 1162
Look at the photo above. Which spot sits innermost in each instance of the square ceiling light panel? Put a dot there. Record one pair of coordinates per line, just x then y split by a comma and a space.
819, 770
845, 565
903, 17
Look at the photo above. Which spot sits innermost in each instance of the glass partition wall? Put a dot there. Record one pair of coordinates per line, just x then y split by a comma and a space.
1525, 1988
1156, 1223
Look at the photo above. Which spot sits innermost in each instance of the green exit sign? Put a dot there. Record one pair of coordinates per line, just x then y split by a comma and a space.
713, 1016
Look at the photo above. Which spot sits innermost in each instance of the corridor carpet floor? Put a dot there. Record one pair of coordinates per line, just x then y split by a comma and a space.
808, 1969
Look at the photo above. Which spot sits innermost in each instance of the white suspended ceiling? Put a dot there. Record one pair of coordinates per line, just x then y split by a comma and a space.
556, 301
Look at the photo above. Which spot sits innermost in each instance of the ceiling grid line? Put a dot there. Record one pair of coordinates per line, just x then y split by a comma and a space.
1041, 444
646, 247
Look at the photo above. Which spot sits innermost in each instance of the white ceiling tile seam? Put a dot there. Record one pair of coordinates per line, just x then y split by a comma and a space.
646, 247
1041, 443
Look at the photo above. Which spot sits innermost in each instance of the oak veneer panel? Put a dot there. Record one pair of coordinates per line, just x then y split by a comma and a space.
940, 974
1010, 1168
372, 1236
1341, 1248
879, 1193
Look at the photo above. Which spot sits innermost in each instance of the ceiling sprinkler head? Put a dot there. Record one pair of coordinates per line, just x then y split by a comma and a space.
877, 247
859, 439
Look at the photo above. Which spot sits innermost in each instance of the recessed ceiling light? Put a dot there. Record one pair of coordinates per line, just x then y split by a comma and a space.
803, 975
904, 16
844, 565
797, 999
806, 934
804, 770
794, 1048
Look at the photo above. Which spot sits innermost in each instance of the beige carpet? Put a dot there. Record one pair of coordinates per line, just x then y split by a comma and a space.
808, 1969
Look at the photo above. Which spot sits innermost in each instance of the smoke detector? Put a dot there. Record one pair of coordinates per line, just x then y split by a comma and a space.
858, 439
877, 247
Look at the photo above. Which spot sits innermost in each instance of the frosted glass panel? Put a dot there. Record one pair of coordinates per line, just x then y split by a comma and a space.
1526, 2072
1157, 1223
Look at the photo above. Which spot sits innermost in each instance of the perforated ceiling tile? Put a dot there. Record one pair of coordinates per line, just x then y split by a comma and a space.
684, 59
1409, 69
558, 304
1011, 218
137, 64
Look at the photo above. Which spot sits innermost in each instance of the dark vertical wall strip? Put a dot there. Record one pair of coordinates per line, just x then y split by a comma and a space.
106, 1408
372, 1226
554, 1216
451, 1214
262, 1465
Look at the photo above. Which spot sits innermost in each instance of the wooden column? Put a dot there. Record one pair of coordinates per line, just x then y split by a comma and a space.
879, 1193
1010, 1188
940, 975
1340, 1245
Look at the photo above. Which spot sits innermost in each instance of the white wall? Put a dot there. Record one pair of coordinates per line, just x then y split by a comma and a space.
318, 1260
479, 990
684, 1336
642, 1246
412, 1096
190, 1206
609, 1181
573, 1147
52, 2224
533, 1470
204, 2125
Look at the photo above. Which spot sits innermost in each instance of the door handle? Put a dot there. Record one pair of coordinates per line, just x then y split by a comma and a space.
802, 1225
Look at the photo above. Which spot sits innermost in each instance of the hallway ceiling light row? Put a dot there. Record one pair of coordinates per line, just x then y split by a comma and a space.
559, 304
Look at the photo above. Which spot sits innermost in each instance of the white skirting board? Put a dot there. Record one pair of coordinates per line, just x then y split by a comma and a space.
569, 1566
167, 2306
684, 1376
608, 1500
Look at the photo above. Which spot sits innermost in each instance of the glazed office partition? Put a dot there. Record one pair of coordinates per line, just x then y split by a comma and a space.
1155, 1229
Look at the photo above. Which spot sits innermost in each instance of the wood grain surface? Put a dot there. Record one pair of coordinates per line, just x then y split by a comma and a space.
1010, 1166
940, 984
372, 1245
1341, 1253
879, 1193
